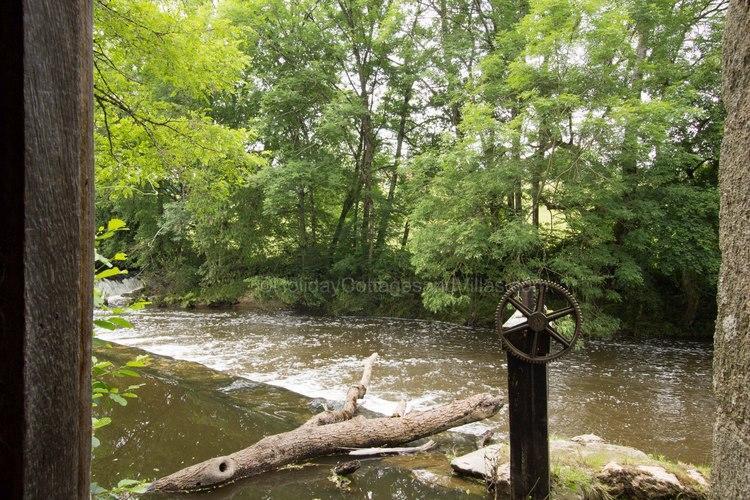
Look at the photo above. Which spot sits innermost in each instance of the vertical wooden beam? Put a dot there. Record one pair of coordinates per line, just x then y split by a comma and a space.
46, 238
527, 420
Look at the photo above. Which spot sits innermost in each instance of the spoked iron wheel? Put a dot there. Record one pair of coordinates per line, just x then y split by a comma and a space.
545, 321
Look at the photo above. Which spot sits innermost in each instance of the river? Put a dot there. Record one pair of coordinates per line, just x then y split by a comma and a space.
652, 395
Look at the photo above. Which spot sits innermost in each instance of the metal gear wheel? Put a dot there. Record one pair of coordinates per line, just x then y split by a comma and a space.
533, 336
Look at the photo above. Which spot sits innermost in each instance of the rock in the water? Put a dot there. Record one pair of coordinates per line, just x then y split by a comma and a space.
118, 301
587, 439
485, 438
347, 468
562, 449
697, 477
429, 478
501, 483
645, 482
488, 463
645, 479
480, 463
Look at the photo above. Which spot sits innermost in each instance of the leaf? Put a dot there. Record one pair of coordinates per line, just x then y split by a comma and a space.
102, 323
118, 399
96, 489
120, 256
128, 373
101, 365
100, 258
120, 322
140, 361
127, 482
140, 489
95, 442
104, 236
107, 273
98, 423
116, 225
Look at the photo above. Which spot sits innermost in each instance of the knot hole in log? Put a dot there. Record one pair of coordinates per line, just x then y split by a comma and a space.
215, 471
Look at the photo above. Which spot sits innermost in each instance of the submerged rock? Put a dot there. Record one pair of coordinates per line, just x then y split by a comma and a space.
118, 301
587, 467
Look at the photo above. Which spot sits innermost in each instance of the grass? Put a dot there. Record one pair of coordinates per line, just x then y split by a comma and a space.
577, 481
575, 475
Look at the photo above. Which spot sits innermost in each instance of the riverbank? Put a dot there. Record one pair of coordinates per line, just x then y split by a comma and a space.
347, 297
587, 467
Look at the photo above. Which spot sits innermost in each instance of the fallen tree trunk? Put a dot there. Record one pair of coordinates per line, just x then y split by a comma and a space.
318, 438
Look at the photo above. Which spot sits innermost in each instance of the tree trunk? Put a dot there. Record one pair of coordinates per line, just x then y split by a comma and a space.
730, 473
368, 155
352, 196
536, 178
452, 73
302, 225
691, 297
328, 433
405, 236
388, 206
313, 217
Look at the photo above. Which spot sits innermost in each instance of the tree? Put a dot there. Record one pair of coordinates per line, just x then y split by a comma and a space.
730, 474
459, 142
586, 150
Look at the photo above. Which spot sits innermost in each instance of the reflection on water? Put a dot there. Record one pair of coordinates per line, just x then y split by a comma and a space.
655, 396
186, 413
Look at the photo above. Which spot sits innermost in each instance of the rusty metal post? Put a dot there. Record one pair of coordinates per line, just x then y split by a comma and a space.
532, 338
527, 416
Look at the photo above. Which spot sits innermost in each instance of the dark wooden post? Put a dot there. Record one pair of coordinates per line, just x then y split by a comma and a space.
46, 261
527, 418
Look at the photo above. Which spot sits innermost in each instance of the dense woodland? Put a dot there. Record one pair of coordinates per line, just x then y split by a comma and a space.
407, 157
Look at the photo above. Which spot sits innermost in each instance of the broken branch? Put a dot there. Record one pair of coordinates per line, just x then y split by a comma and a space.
328, 433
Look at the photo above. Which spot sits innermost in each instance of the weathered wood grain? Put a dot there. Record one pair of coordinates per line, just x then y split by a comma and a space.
47, 234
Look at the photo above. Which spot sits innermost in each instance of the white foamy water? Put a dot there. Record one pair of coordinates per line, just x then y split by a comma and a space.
308, 355
655, 395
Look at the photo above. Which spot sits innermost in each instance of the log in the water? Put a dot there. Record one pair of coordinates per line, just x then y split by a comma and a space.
317, 438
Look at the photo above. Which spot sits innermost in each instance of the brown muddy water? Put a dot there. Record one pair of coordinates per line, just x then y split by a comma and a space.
264, 370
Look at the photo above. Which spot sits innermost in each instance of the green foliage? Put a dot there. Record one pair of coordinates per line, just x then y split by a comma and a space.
104, 374
125, 488
457, 145
271, 288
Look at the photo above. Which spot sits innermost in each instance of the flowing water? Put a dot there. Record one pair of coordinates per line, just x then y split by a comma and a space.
186, 413
652, 395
